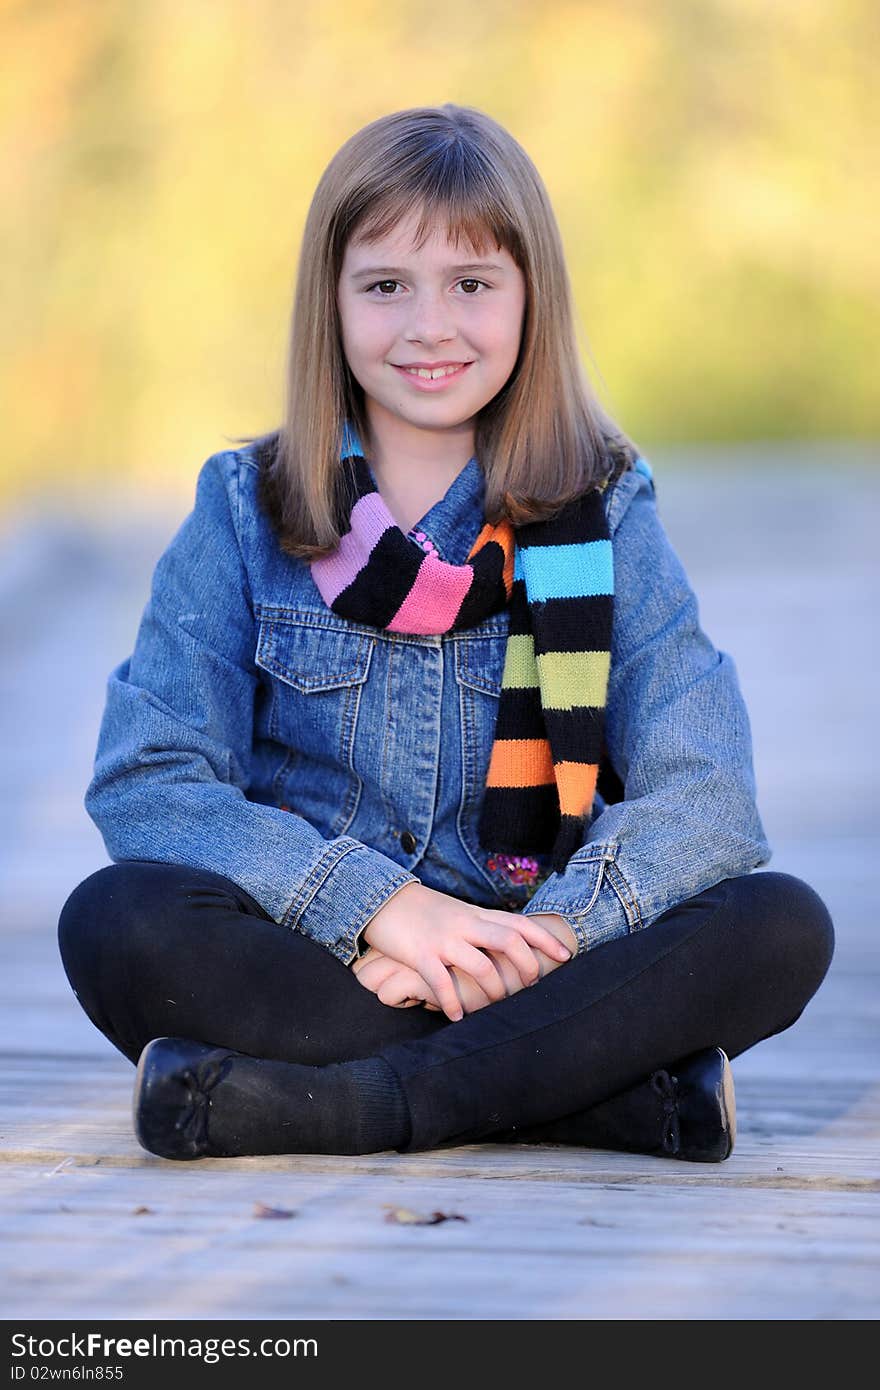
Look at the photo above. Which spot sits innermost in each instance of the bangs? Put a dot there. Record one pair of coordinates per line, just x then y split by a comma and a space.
449, 193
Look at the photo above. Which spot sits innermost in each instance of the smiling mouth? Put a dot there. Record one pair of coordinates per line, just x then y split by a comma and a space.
432, 373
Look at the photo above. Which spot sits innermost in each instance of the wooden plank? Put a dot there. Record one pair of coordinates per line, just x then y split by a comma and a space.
790, 1134
534, 1250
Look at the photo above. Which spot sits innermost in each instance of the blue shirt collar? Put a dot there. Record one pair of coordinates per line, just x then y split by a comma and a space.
455, 521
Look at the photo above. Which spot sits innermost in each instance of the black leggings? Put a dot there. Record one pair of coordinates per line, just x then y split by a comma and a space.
155, 950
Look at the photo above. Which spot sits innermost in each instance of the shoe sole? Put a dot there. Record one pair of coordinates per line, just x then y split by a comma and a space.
728, 1100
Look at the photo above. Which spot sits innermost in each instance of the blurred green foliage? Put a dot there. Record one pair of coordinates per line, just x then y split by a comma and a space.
713, 165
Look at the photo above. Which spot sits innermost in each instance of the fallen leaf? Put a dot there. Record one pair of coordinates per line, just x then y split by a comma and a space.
271, 1213
404, 1217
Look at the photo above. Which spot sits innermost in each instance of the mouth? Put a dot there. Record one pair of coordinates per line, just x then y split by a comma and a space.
433, 378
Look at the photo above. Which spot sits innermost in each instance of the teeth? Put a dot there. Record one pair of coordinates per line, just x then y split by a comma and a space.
432, 375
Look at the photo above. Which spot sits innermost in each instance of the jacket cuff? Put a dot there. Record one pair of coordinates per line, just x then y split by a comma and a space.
591, 896
342, 893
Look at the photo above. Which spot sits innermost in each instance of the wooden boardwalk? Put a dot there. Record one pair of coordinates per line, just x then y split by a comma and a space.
782, 552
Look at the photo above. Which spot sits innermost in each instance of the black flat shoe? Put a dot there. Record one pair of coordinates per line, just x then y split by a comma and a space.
700, 1107
686, 1111
172, 1096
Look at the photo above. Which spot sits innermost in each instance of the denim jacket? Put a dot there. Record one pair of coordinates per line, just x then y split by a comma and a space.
323, 764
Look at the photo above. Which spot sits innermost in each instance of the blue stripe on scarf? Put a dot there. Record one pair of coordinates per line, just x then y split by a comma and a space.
565, 571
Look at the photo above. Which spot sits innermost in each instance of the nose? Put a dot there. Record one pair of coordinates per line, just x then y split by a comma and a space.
430, 319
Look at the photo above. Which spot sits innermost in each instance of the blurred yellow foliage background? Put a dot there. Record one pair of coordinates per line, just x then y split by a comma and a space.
712, 163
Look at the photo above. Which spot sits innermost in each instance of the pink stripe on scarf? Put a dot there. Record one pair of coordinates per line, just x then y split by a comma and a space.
434, 601
369, 521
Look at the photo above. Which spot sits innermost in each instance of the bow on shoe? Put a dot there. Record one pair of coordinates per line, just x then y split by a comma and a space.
666, 1087
193, 1123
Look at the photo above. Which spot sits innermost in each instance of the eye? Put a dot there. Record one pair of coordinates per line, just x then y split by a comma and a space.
383, 285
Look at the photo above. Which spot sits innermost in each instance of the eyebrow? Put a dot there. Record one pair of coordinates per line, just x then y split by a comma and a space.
392, 270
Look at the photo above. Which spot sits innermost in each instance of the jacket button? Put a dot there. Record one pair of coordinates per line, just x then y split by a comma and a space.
408, 842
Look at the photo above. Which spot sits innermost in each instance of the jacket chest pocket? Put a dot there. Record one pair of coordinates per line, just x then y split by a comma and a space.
316, 679
479, 670
478, 663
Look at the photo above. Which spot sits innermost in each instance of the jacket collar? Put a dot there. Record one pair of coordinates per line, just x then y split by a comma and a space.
452, 523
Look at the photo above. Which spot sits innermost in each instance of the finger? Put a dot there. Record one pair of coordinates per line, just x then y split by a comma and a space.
395, 990
403, 984
376, 972
395, 996
516, 943
507, 942
537, 935
532, 930
481, 967
471, 994
512, 982
360, 961
439, 980
416, 986
430, 998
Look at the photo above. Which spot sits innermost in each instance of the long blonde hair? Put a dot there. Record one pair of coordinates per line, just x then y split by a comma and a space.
544, 438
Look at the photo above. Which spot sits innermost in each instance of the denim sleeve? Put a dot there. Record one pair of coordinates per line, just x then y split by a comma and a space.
172, 766
678, 736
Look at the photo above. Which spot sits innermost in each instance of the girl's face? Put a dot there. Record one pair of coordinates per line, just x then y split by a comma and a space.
441, 306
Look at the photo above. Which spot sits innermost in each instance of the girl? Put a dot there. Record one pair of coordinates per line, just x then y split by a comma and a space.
430, 805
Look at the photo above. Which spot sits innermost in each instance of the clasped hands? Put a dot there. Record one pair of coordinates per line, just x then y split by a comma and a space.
429, 948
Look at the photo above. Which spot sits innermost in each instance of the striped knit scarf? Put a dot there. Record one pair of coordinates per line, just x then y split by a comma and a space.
557, 579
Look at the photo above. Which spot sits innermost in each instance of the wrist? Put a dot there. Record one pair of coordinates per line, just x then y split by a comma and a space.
367, 940
383, 928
